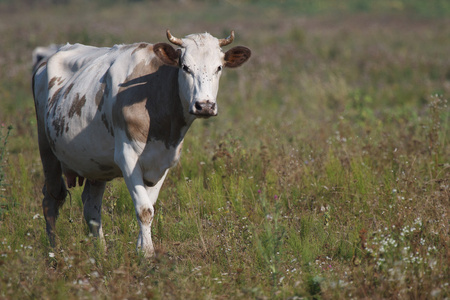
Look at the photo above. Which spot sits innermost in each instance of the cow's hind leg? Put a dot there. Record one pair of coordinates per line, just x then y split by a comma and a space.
92, 206
54, 191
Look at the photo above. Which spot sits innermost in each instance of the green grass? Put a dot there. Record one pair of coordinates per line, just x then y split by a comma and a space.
325, 175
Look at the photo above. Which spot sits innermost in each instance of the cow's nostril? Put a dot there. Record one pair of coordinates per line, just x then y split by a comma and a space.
198, 106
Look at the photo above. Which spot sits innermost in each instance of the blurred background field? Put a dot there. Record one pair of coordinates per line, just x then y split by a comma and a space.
325, 175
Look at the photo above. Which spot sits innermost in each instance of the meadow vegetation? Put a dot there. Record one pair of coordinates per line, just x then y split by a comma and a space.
325, 175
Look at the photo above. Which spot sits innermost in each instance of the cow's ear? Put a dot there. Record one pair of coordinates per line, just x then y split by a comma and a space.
237, 56
167, 54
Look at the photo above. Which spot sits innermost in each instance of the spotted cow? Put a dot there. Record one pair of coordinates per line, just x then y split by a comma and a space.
123, 111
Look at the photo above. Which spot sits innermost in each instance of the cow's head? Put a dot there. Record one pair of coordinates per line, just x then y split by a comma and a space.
201, 61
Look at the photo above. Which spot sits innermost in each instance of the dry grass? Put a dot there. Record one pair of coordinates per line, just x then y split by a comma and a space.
326, 174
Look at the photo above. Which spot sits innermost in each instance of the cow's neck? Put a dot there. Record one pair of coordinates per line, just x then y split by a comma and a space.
169, 118
151, 106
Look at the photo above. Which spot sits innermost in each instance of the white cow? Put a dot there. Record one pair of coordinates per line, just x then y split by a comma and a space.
123, 111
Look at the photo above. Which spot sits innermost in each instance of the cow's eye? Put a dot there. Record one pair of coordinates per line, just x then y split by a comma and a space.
219, 69
186, 69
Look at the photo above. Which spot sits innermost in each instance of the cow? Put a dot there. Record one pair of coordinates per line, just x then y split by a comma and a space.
123, 111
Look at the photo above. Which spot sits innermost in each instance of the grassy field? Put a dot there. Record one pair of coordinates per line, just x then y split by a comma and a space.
326, 174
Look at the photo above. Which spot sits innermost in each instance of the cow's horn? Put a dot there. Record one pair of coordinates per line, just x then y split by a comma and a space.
174, 40
228, 40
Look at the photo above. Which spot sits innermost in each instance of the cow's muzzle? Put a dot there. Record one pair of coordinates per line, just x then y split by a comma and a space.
204, 109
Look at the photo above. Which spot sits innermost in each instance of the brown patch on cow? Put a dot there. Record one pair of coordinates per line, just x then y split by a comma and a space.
52, 100
142, 46
137, 121
99, 96
77, 105
67, 91
53, 81
58, 125
148, 106
145, 215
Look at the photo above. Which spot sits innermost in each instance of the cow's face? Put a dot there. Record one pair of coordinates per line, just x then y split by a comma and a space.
201, 62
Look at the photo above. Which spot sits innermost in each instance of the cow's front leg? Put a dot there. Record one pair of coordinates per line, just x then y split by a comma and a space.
145, 222
145, 212
144, 197
143, 207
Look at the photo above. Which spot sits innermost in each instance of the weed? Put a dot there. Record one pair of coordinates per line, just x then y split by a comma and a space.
4, 201
270, 240
438, 120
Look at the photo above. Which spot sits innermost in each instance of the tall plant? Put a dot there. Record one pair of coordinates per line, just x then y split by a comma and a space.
3, 142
